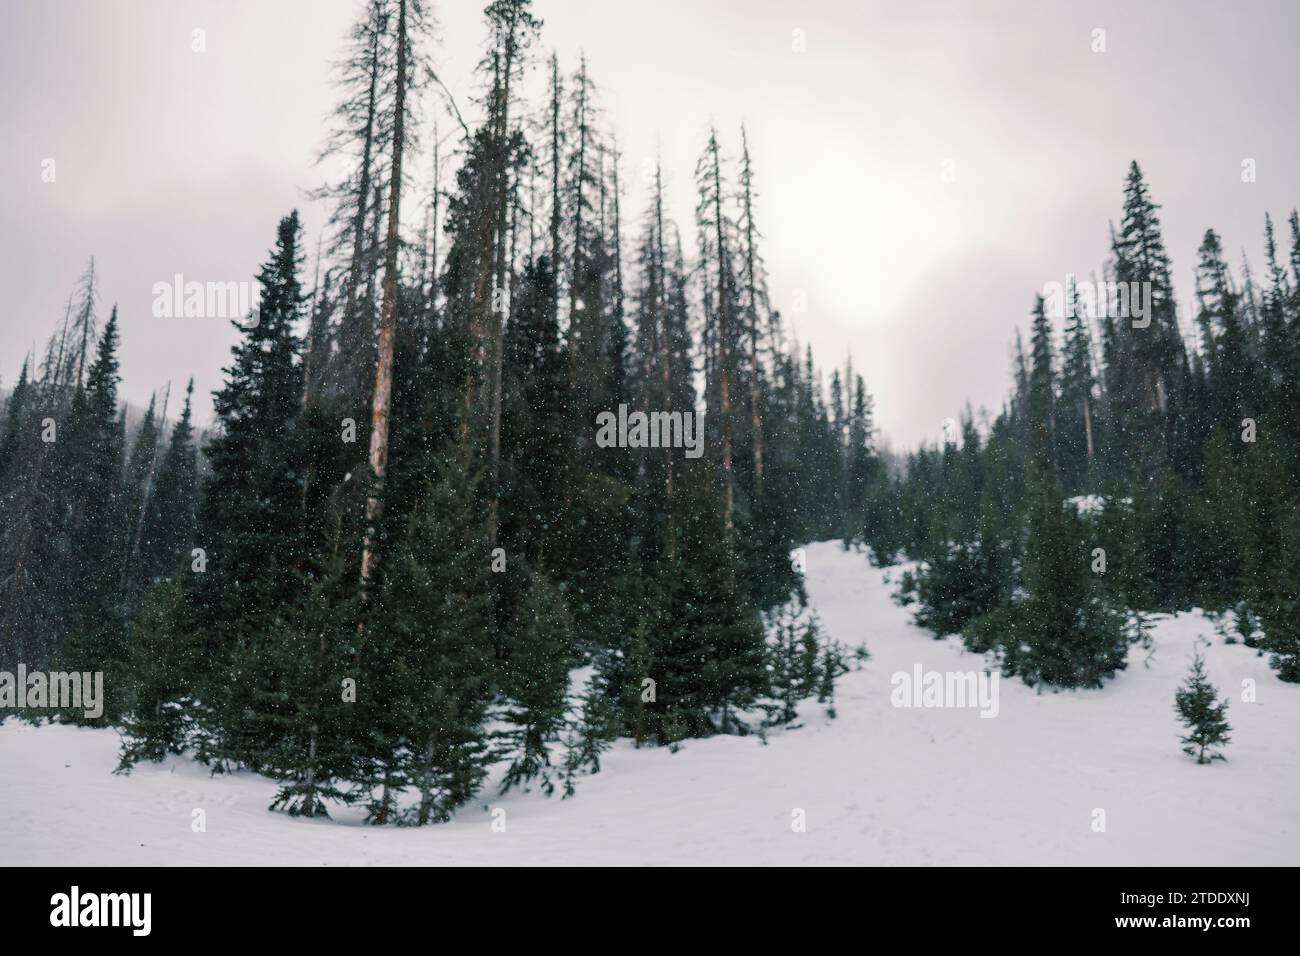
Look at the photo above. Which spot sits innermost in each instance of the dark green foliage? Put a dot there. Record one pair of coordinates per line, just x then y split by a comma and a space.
794, 664
1060, 632
248, 584
169, 519
969, 580
592, 730
215, 576
1278, 603
1204, 715
428, 659
91, 456
535, 677
163, 670
1191, 451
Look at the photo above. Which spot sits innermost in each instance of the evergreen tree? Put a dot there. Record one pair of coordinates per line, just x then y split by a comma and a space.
249, 573
312, 702
793, 664
1278, 601
591, 732
169, 520
15, 408
92, 454
538, 656
1230, 368
429, 659
1061, 633
1040, 399
1200, 710
1077, 411
163, 668
537, 428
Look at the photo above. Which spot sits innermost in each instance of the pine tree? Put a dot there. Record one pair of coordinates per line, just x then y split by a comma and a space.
363, 132
169, 520
536, 429
722, 342
1230, 368
793, 664
163, 668
1278, 601
831, 665
429, 660
1061, 633
707, 646
755, 308
15, 409
1140, 257
1219, 527
538, 655
93, 458
1200, 710
411, 71
311, 704
251, 533
137, 491
1077, 410
590, 733
1040, 399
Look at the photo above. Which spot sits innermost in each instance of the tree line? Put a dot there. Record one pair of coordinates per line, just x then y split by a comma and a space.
378, 574
1140, 464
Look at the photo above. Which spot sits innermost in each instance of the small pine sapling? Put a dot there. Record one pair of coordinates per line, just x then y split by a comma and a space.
1201, 711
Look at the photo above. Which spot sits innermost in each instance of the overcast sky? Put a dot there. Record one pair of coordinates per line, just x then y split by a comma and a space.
173, 161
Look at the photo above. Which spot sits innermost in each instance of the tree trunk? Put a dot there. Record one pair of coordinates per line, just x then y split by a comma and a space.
363, 186
383, 397
555, 168
724, 347
751, 282
1087, 425
504, 191
426, 787
576, 267
664, 335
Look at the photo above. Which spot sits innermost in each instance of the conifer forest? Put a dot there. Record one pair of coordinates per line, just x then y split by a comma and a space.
518, 489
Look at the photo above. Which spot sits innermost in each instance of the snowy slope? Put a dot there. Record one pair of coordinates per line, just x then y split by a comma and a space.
879, 785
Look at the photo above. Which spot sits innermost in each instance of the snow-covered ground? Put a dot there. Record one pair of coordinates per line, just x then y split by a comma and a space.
878, 785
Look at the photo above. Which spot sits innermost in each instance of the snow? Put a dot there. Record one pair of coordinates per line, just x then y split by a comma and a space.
879, 785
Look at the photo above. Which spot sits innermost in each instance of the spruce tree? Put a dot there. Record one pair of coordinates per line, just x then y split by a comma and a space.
430, 657
311, 707
1077, 420
95, 524
1200, 710
591, 729
248, 573
538, 655
169, 521
1061, 633
15, 408
163, 669
1278, 601
1040, 399
537, 430
792, 664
